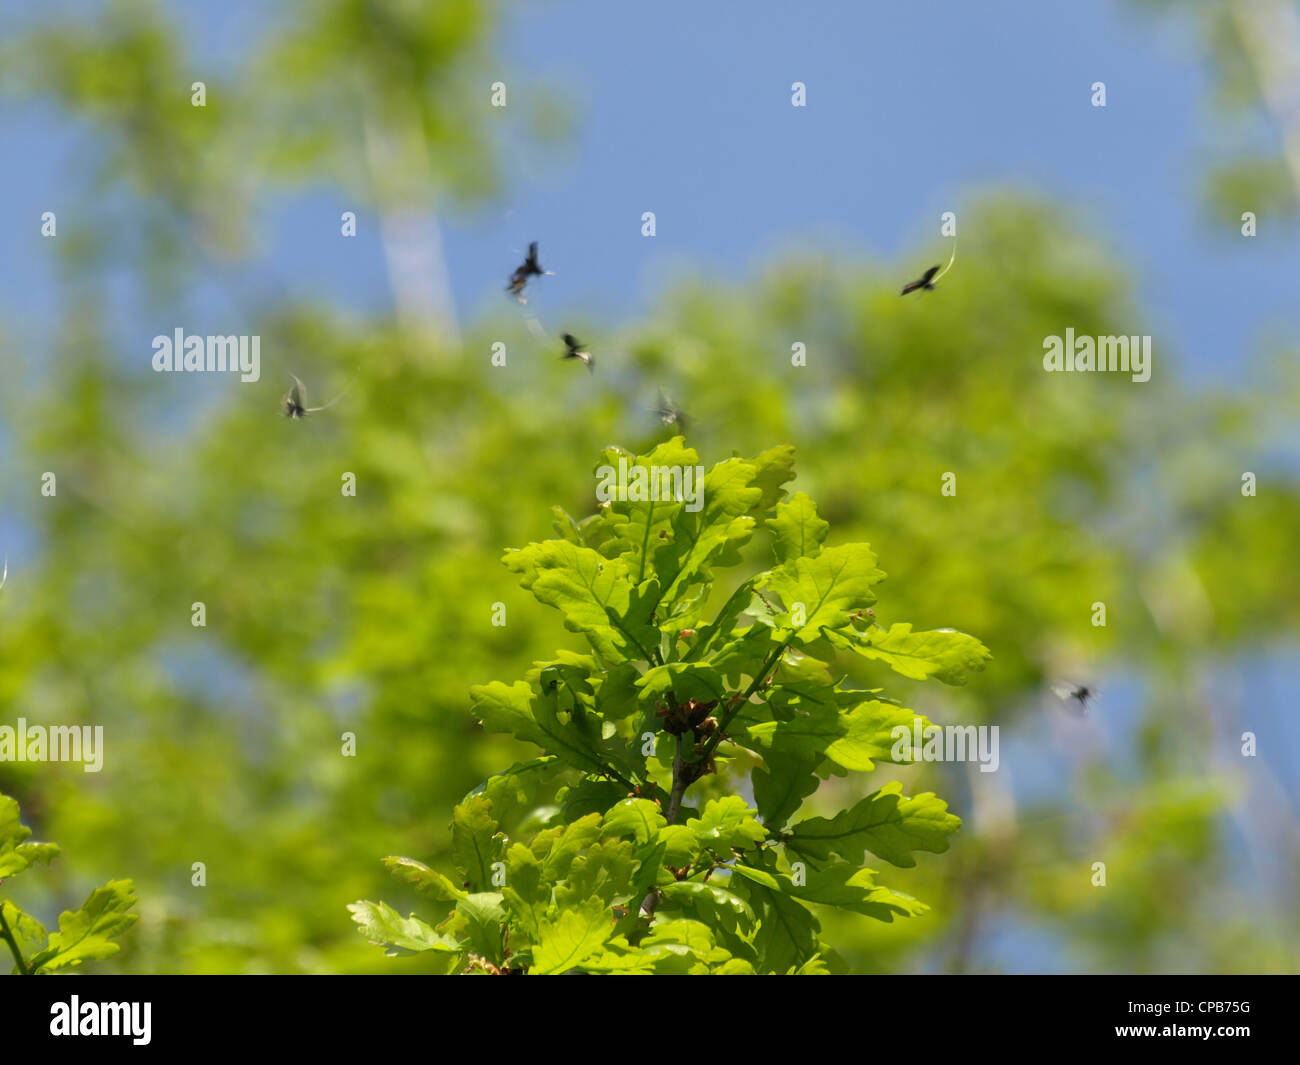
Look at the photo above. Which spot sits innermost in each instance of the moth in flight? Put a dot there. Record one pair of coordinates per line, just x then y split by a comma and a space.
925, 281
1076, 696
669, 414
295, 402
530, 267
574, 346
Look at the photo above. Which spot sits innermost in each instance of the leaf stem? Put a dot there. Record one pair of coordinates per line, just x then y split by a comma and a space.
686, 773
8, 937
759, 678
681, 781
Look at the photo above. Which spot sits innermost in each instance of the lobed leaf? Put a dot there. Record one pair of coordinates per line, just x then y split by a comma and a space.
88, 932
886, 823
385, 927
944, 654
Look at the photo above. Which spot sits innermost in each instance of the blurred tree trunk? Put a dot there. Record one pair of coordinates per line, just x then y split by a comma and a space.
1269, 31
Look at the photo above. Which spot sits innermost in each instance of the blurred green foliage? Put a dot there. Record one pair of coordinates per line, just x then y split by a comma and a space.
371, 615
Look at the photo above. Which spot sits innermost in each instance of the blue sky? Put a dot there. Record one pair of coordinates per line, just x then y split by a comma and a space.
684, 109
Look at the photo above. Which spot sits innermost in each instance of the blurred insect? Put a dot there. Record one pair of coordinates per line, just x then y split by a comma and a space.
530, 267
295, 402
573, 344
668, 413
5, 576
926, 281
1076, 696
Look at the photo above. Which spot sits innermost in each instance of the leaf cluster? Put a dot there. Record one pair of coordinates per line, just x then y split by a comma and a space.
84, 934
610, 869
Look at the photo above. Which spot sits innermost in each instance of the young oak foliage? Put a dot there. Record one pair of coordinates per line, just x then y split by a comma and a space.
598, 857
83, 935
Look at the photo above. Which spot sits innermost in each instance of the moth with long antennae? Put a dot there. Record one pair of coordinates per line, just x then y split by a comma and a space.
926, 281
573, 346
295, 401
530, 267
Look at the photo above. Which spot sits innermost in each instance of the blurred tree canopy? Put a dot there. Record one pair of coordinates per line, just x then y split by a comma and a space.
328, 614
1254, 51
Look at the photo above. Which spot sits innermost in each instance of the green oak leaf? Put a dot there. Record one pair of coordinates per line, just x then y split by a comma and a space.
796, 529
639, 818
89, 932
565, 527
564, 941
594, 593
711, 903
781, 786
773, 468
727, 823
852, 887
589, 795
724, 522
475, 842
516, 790
15, 854
556, 848
855, 737
831, 586
944, 654
683, 680
478, 922
28, 932
886, 823
603, 871
643, 529
425, 880
578, 737
385, 927
786, 936
527, 894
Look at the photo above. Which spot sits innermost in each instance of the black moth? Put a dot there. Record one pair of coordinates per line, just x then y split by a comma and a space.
530, 267
926, 281
573, 350
295, 401
1077, 695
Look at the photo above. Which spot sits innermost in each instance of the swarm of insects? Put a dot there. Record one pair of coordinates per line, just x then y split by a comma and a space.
530, 267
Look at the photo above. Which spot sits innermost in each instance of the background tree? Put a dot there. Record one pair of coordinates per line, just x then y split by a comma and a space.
329, 614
